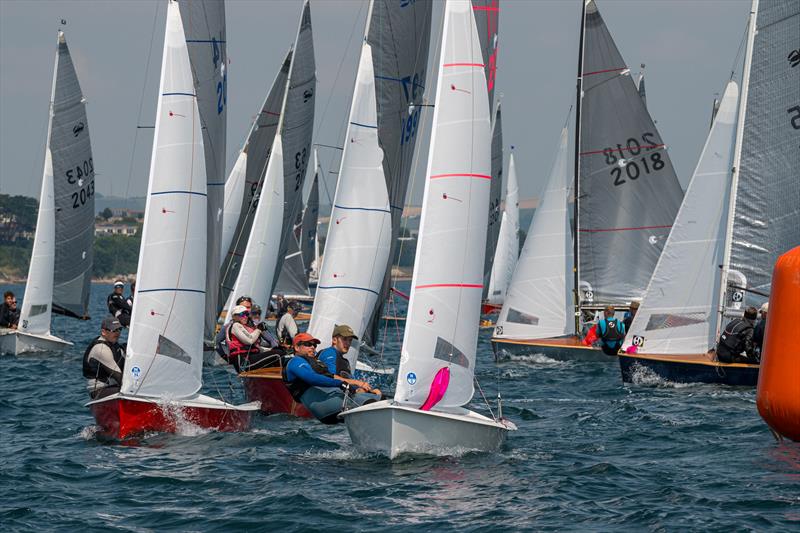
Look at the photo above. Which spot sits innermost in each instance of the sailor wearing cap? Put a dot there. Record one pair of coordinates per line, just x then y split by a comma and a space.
245, 351
118, 306
104, 360
287, 327
760, 328
322, 392
333, 356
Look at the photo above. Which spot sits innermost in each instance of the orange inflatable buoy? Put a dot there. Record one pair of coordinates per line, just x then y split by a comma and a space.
778, 395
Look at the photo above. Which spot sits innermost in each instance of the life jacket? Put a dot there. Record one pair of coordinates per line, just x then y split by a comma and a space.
97, 371
612, 332
237, 348
297, 387
732, 336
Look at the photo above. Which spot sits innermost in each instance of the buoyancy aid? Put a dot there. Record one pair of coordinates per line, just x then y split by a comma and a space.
237, 348
297, 387
612, 332
92, 369
733, 336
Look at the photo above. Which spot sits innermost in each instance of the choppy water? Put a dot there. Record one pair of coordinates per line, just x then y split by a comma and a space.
590, 453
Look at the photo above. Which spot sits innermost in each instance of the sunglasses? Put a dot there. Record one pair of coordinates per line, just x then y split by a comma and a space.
307, 343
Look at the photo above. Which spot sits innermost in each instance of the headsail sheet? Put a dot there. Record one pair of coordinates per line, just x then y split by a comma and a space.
73, 172
538, 302
256, 152
399, 36
204, 28
679, 312
165, 344
448, 272
628, 191
767, 207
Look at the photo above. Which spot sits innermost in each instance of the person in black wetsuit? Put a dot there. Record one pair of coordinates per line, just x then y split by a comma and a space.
118, 306
737, 338
104, 360
9, 312
759, 330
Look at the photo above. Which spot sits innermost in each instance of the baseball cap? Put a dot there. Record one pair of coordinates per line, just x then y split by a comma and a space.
764, 307
343, 330
304, 337
111, 324
239, 310
118, 283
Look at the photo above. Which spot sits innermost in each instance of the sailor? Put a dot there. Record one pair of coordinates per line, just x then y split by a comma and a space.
737, 338
104, 360
244, 350
333, 355
118, 306
610, 331
268, 340
130, 298
9, 313
287, 327
760, 328
321, 391
280, 306
629, 316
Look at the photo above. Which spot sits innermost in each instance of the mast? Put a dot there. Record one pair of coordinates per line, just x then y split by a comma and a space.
575, 192
737, 156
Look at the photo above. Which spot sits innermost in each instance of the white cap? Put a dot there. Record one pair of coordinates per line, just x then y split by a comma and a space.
238, 310
764, 307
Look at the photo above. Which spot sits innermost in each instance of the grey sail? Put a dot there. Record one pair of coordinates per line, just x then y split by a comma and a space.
399, 35
293, 279
766, 219
628, 191
204, 27
257, 147
487, 18
308, 233
73, 176
495, 198
297, 128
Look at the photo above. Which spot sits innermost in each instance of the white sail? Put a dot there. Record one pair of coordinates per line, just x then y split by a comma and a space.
234, 192
258, 264
539, 298
448, 273
505, 258
36, 304
165, 345
678, 313
359, 232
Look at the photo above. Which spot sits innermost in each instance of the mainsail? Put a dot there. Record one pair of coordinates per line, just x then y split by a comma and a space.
73, 168
293, 279
508, 242
240, 207
165, 344
537, 303
678, 313
495, 198
628, 193
448, 272
766, 210
376, 163
308, 230
204, 29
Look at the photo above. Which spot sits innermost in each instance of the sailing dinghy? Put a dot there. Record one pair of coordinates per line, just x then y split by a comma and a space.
437, 361
741, 211
164, 360
60, 270
627, 195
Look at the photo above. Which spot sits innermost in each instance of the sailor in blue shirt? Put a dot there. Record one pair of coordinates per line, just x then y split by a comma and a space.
333, 355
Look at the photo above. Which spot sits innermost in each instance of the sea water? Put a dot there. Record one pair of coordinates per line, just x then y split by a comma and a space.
591, 453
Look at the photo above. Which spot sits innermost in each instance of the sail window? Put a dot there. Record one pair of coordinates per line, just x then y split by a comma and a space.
445, 351
518, 317
168, 348
667, 320
37, 310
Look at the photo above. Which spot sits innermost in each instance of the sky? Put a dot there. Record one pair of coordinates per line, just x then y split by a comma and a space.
689, 48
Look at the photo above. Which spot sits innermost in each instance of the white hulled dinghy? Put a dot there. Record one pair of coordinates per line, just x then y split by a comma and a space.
437, 362
164, 360
60, 269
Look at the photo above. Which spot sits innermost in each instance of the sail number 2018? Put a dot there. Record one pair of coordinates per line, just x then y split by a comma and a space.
626, 158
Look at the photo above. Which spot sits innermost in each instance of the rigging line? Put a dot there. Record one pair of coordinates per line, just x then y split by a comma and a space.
740, 50
141, 100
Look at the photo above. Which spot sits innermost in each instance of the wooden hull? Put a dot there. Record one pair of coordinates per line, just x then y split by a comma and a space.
15, 342
266, 385
559, 348
686, 368
121, 417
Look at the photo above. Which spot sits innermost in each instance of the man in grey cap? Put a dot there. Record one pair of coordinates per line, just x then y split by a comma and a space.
104, 360
333, 356
118, 306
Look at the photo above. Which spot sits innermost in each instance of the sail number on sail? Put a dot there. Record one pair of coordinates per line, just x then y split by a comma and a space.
634, 166
75, 176
300, 164
409, 126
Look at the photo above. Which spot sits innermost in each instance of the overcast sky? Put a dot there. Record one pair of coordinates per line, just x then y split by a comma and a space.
688, 46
